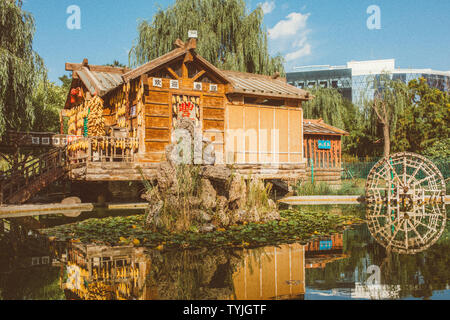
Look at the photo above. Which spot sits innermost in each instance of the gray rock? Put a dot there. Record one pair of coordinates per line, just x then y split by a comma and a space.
237, 193
201, 216
208, 194
219, 172
207, 228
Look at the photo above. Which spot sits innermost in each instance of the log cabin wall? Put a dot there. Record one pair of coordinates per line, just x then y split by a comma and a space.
323, 158
161, 98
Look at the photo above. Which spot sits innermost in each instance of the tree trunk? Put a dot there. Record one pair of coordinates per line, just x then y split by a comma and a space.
387, 140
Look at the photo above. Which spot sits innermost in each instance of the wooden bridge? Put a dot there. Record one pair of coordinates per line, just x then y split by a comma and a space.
20, 184
66, 156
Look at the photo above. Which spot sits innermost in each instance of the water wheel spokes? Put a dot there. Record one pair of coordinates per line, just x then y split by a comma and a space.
405, 196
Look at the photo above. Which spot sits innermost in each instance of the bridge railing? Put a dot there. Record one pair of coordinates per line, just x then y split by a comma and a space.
36, 139
15, 180
102, 149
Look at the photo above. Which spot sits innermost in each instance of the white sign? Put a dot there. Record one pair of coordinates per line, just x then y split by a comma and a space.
193, 34
213, 87
198, 86
157, 82
174, 84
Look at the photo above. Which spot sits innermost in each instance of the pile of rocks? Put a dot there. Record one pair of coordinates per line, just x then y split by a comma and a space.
219, 199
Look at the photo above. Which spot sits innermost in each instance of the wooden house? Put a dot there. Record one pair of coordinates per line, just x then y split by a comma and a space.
323, 151
255, 122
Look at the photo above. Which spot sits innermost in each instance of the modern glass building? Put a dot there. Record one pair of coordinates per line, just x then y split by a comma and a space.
353, 80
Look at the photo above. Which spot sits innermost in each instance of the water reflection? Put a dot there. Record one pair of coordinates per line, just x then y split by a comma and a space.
406, 227
351, 265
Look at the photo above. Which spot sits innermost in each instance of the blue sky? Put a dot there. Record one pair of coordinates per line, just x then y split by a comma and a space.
311, 32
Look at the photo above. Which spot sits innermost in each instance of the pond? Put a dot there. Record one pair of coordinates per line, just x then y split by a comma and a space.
347, 265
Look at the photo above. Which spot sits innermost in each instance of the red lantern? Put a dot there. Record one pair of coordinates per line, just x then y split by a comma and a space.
74, 92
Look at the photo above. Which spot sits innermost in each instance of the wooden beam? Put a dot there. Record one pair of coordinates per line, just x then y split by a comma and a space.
198, 75
192, 44
170, 70
179, 43
185, 73
188, 57
78, 66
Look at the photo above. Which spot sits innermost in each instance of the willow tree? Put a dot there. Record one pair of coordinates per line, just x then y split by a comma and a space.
20, 67
328, 105
229, 37
388, 99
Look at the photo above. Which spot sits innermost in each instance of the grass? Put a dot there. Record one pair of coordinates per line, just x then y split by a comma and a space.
295, 226
353, 187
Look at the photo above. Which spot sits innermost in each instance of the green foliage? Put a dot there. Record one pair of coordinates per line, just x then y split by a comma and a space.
20, 67
116, 64
423, 127
229, 37
389, 100
323, 189
48, 100
328, 105
296, 226
418, 117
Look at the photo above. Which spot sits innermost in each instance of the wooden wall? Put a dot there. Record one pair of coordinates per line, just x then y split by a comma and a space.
323, 159
158, 116
327, 163
263, 134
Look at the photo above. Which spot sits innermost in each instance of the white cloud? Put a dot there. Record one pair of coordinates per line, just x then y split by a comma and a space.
300, 53
292, 25
291, 36
267, 7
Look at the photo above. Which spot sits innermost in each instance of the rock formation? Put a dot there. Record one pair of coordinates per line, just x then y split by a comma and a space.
202, 194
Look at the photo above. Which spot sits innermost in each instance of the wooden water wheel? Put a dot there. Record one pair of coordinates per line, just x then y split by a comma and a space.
405, 196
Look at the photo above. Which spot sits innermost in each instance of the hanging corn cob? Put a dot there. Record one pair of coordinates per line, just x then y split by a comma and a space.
96, 121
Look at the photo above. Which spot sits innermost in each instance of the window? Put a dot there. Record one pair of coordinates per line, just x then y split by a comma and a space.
335, 84
324, 84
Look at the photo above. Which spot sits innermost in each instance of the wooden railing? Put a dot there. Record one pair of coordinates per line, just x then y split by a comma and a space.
20, 184
35, 139
102, 149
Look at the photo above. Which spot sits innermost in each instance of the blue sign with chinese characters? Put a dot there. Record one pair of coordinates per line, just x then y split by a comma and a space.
324, 144
326, 245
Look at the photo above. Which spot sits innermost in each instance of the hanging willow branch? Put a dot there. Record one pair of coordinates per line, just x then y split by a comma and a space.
228, 37
20, 67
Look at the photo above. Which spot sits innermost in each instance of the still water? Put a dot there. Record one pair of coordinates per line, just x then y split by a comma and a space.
350, 265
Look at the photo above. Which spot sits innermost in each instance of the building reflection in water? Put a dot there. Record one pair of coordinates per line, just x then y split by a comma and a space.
124, 273
271, 273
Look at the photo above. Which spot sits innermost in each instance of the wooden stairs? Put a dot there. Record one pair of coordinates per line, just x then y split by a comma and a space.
17, 186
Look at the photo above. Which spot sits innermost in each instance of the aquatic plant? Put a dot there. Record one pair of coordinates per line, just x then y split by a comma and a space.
295, 226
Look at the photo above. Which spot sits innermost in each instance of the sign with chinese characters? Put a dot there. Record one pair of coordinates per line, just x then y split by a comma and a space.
213, 87
324, 144
133, 111
157, 82
186, 107
198, 86
326, 245
174, 84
